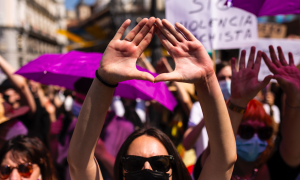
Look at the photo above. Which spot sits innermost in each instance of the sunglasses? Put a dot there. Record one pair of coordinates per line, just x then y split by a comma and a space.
25, 170
247, 132
136, 163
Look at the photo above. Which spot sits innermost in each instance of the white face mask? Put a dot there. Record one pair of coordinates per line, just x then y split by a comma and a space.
225, 86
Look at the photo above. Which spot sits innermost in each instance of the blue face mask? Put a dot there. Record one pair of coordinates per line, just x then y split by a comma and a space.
76, 107
249, 150
225, 86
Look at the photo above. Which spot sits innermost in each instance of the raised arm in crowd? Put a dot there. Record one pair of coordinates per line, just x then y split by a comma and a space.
19, 82
148, 152
253, 127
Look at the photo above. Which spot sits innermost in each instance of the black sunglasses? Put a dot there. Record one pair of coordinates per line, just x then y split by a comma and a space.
247, 132
25, 170
157, 163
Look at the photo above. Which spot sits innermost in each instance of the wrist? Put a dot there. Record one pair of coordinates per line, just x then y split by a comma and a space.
235, 107
206, 81
293, 101
105, 77
239, 102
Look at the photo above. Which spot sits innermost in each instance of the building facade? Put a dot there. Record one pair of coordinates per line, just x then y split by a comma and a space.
106, 16
28, 29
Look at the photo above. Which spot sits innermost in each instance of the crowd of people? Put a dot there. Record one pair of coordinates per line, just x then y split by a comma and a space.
239, 127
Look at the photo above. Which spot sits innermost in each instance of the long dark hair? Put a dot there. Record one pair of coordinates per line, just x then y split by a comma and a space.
30, 149
179, 170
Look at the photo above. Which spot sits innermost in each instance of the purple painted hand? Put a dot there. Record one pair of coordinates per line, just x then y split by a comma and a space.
244, 83
287, 75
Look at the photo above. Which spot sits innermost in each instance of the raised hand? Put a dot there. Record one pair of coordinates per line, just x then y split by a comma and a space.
119, 59
244, 83
287, 75
192, 63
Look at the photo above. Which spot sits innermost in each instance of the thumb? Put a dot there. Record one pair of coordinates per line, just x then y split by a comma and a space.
140, 75
281, 81
173, 76
265, 82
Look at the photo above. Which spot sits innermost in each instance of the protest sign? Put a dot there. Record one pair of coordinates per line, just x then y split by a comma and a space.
287, 46
272, 30
215, 25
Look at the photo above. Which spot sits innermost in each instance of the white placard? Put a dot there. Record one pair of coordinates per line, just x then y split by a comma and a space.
287, 46
214, 24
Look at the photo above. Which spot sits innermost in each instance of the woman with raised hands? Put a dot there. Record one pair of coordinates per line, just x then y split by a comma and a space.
253, 127
149, 153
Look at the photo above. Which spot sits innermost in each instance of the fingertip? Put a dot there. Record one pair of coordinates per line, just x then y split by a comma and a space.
147, 76
160, 77
243, 52
177, 24
232, 60
152, 18
259, 53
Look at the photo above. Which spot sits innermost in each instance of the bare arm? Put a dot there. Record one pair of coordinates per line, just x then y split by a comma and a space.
288, 77
191, 135
119, 54
19, 82
193, 65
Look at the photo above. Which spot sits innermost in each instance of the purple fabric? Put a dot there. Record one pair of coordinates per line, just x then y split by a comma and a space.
116, 133
65, 69
268, 7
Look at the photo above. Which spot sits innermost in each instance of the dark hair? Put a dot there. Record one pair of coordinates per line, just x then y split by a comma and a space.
30, 149
221, 66
179, 170
83, 85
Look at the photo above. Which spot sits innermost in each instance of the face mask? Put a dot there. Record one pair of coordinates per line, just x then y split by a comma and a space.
225, 88
146, 174
249, 150
76, 107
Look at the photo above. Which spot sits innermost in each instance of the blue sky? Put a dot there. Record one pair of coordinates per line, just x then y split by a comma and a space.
70, 4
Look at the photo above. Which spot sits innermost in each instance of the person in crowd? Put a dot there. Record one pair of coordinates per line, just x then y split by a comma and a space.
19, 86
148, 153
24, 157
18, 94
178, 119
115, 131
196, 134
253, 126
17, 106
271, 108
172, 123
10, 126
